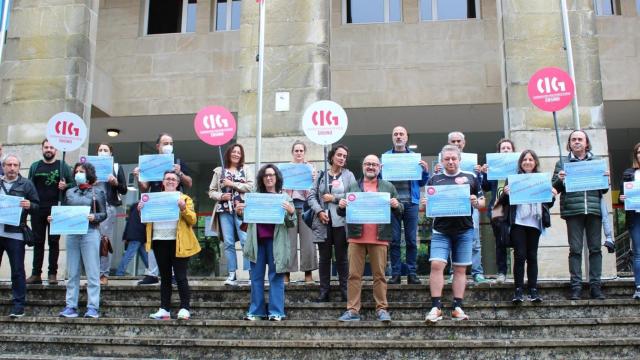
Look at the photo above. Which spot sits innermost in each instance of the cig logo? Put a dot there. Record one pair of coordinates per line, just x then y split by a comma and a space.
549, 85
320, 118
215, 122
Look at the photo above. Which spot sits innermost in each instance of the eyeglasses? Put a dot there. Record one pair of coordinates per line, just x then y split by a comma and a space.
269, 175
368, 164
171, 180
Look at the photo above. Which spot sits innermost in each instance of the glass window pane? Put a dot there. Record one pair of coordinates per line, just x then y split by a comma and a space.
452, 9
235, 15
395, 10
221, 15
191, 17
425, 10
365, 11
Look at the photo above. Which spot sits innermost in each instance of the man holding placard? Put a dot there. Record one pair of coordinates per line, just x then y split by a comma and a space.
370, 238
409, 196
452, 234
13, 185
582, 212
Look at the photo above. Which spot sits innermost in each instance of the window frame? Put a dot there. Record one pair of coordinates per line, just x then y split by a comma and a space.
386, 10
228, 16
183, 20
434, 12
615, 7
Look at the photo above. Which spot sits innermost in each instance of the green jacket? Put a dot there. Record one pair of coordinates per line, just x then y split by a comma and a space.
579, 202
384, 230
281, 243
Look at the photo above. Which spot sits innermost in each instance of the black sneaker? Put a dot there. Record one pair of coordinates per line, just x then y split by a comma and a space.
413, 280
16, 313
518, 296
148, 280
395, 279
576, 294
596, 292
534, 297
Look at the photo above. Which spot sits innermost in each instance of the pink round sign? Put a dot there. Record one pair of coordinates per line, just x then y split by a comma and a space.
215, 125
551, 89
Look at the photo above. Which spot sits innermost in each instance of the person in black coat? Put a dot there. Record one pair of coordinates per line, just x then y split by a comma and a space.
135, 237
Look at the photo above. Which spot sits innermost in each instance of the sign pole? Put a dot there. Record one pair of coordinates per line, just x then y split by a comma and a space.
555, 124
64, 154
263, 6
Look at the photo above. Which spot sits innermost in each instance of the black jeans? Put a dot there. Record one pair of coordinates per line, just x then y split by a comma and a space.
525, 245
41, 230
501, 250
576, 226
336, 237
165, 252
15, 252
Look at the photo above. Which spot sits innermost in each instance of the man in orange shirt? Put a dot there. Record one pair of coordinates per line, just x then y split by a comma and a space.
372, 239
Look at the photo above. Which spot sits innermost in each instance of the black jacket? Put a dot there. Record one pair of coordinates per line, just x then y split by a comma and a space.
134, 230
23, 187
112, 191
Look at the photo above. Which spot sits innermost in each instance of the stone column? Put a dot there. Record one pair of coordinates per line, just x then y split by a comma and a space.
47, 68
532, 38
296, 61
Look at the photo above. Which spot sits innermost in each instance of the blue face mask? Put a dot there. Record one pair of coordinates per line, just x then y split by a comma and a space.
81, 178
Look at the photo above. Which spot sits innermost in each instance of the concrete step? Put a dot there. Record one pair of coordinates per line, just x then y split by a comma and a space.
171, 347
481, 310
213, 291
328, 330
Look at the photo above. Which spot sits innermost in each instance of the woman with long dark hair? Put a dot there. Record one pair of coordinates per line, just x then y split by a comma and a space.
633, 217
268, 245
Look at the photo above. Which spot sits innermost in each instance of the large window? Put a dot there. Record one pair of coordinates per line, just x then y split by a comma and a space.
606, 7
371, 11
227, 15
431, 10
170, 16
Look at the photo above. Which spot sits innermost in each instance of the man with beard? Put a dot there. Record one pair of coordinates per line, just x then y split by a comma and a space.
45, 175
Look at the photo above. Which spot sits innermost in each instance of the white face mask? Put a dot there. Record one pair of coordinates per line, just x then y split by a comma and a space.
167, 149
103, 153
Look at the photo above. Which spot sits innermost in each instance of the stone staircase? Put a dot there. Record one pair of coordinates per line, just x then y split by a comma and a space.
557, 328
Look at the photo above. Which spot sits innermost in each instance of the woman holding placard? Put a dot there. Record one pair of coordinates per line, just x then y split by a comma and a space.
632, 174
268, 245
85, 248
228, 186
114, 187
527, 223
308, 256
496, 187
328, 227
173, 242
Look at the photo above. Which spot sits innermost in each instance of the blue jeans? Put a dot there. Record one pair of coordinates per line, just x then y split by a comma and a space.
230, 227
15, 252
476, 250
410, 220
85, 249
457, 245
634, 231
276, 283
133, 248
606, 224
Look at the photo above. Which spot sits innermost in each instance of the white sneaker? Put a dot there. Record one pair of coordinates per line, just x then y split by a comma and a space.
184, 314
162, 314
231, 279
501, 278
457, 314
434, 315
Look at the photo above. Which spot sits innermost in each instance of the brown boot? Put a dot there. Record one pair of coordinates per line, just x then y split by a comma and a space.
104, 280
52, 279
34, 280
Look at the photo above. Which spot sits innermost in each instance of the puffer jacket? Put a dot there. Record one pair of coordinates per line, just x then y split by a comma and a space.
384, 230
314, 199
579, 202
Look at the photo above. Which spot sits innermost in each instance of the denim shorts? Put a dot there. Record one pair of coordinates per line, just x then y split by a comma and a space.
459, 245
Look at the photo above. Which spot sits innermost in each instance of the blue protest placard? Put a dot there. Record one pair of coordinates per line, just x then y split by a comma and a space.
530, 188
296, 176
152, 167
585, 175
468, 162
501, 165
448, 200
264, 208
69, 220
401, 166
10, 210
632, 194
160, 206
368, 208
103, 165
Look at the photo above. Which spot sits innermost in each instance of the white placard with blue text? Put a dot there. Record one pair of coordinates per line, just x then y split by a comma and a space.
152, 167
401, 166
10, 210
69, 220
585, 175
448, 200
296, 176
160, 206
632, 196
468, 162
368, 208
264, 208
530, 188
103, 165
502, 165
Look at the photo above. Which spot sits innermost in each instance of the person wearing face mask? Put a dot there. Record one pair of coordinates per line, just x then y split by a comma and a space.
45, 175
114, 187
84, 249
164, 145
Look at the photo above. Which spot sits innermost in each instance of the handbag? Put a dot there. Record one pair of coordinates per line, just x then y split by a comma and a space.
307, 212
501, 224
105, 243
27, 234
